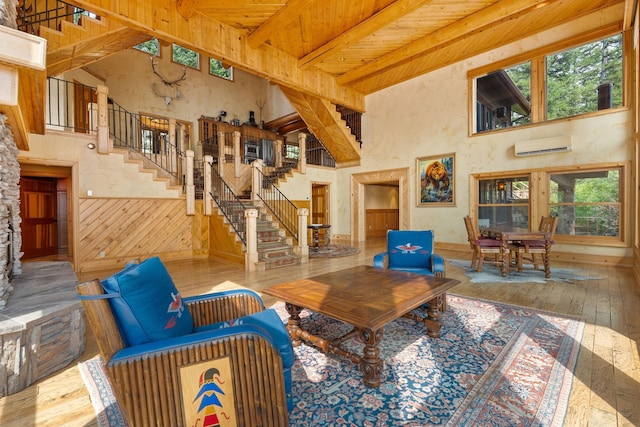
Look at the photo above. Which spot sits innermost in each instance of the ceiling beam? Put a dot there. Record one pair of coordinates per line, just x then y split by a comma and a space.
186, 8
208, 36
505, 9
377, 21
276, 22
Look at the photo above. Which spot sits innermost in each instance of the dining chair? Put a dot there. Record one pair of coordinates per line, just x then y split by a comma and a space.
535, 251
482, 246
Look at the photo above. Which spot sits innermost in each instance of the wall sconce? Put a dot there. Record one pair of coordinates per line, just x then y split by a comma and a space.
501, 185
91, 146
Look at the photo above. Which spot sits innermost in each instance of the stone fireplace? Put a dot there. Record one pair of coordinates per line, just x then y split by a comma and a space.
10, 236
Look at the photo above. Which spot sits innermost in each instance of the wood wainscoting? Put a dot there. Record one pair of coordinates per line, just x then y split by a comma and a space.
114, 231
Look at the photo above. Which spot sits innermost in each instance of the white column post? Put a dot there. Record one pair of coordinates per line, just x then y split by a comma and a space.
104, 145
207, 198
251, 255
221, 154
256, 178
278, 147
302, 160
237, 154
303, 246
189, 187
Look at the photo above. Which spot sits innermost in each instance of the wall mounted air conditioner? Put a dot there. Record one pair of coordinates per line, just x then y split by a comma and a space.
560, 144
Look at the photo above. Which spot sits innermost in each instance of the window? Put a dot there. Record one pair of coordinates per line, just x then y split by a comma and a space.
585, 79
187, 57
503, 201
216, 68
580, 80
150, 46
587, 203
503, 98
292, 151
155, 135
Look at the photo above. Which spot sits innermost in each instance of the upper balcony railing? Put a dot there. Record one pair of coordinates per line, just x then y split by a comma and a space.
48, 13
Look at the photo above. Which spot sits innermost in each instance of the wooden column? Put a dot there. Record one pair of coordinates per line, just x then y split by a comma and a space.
207, 198
256, 178
104, 145
302, 160
190, 187
251, 255
278, 147
303, 247
237, 153
221, 154
172, 149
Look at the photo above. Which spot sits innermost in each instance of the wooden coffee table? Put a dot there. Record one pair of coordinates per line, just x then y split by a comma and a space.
367, 298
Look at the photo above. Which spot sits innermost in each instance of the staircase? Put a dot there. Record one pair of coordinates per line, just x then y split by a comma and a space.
275, 249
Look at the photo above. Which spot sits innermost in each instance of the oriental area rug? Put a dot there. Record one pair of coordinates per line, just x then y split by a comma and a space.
492, 274
494, 365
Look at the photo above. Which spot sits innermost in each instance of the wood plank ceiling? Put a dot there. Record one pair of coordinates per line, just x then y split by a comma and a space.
340, 51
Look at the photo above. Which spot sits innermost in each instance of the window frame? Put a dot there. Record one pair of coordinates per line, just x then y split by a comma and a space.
539, 202
537, 57
186, 65
159, 55
231, 71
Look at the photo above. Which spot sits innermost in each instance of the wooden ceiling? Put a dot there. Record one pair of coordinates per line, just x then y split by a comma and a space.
342, 50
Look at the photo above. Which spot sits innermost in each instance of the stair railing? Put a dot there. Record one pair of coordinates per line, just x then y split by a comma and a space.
62, 98
149, 137
277, 203
225, 198
317, 154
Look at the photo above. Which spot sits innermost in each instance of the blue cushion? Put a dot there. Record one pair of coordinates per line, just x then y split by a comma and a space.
410, 248
146, 304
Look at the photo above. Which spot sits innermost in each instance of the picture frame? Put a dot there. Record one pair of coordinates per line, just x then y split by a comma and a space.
435, 180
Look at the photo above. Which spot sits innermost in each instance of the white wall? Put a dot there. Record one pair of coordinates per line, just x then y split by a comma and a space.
381, 197
429, 116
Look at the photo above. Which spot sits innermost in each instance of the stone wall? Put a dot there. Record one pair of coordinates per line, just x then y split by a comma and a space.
10, 234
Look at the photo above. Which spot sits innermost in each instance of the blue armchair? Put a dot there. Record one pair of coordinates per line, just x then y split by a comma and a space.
177, 361
411, 251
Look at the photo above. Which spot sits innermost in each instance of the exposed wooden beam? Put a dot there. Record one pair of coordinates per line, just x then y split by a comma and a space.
504, 9
630, 7
214, 38
186, 8
384, 17
276, 22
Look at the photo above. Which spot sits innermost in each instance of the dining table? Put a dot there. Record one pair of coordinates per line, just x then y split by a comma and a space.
510, 235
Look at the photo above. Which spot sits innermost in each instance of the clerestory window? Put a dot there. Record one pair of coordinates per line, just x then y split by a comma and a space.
580, 80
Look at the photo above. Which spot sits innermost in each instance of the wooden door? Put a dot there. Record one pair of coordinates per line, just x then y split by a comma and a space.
320, 204
38, 210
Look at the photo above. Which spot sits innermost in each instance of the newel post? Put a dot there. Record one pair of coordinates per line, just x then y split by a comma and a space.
251, 255
104, 145
207, 198
237, 157
256, 178
302, 152
172, 149
303, 247
278, 147
189, 187
221, 154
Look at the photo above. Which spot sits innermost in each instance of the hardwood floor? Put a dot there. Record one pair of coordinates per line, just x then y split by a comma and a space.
606, 388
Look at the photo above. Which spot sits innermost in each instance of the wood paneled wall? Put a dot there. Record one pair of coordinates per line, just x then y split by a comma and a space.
114, 231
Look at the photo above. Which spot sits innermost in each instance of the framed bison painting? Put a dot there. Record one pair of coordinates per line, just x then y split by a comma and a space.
436, 180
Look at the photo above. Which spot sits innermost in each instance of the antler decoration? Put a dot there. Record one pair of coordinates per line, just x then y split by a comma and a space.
169, 83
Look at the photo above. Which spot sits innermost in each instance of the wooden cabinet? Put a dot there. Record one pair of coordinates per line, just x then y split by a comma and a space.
378, 221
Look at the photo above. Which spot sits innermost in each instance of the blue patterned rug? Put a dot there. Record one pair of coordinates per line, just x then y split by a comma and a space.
492, 274
494, 365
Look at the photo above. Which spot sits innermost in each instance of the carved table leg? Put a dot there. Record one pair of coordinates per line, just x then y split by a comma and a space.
293, 324
371, 364
432, 322
547, 261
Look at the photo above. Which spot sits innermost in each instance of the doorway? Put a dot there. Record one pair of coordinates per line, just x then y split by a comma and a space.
320, 204
358, 186
46, 210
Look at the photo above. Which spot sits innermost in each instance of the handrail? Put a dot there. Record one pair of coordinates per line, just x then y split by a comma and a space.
149, 138
225, 198
282, 208
62, 98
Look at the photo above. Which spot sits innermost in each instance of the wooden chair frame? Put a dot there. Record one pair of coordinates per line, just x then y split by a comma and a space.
146, 378
482, 246
537, 249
